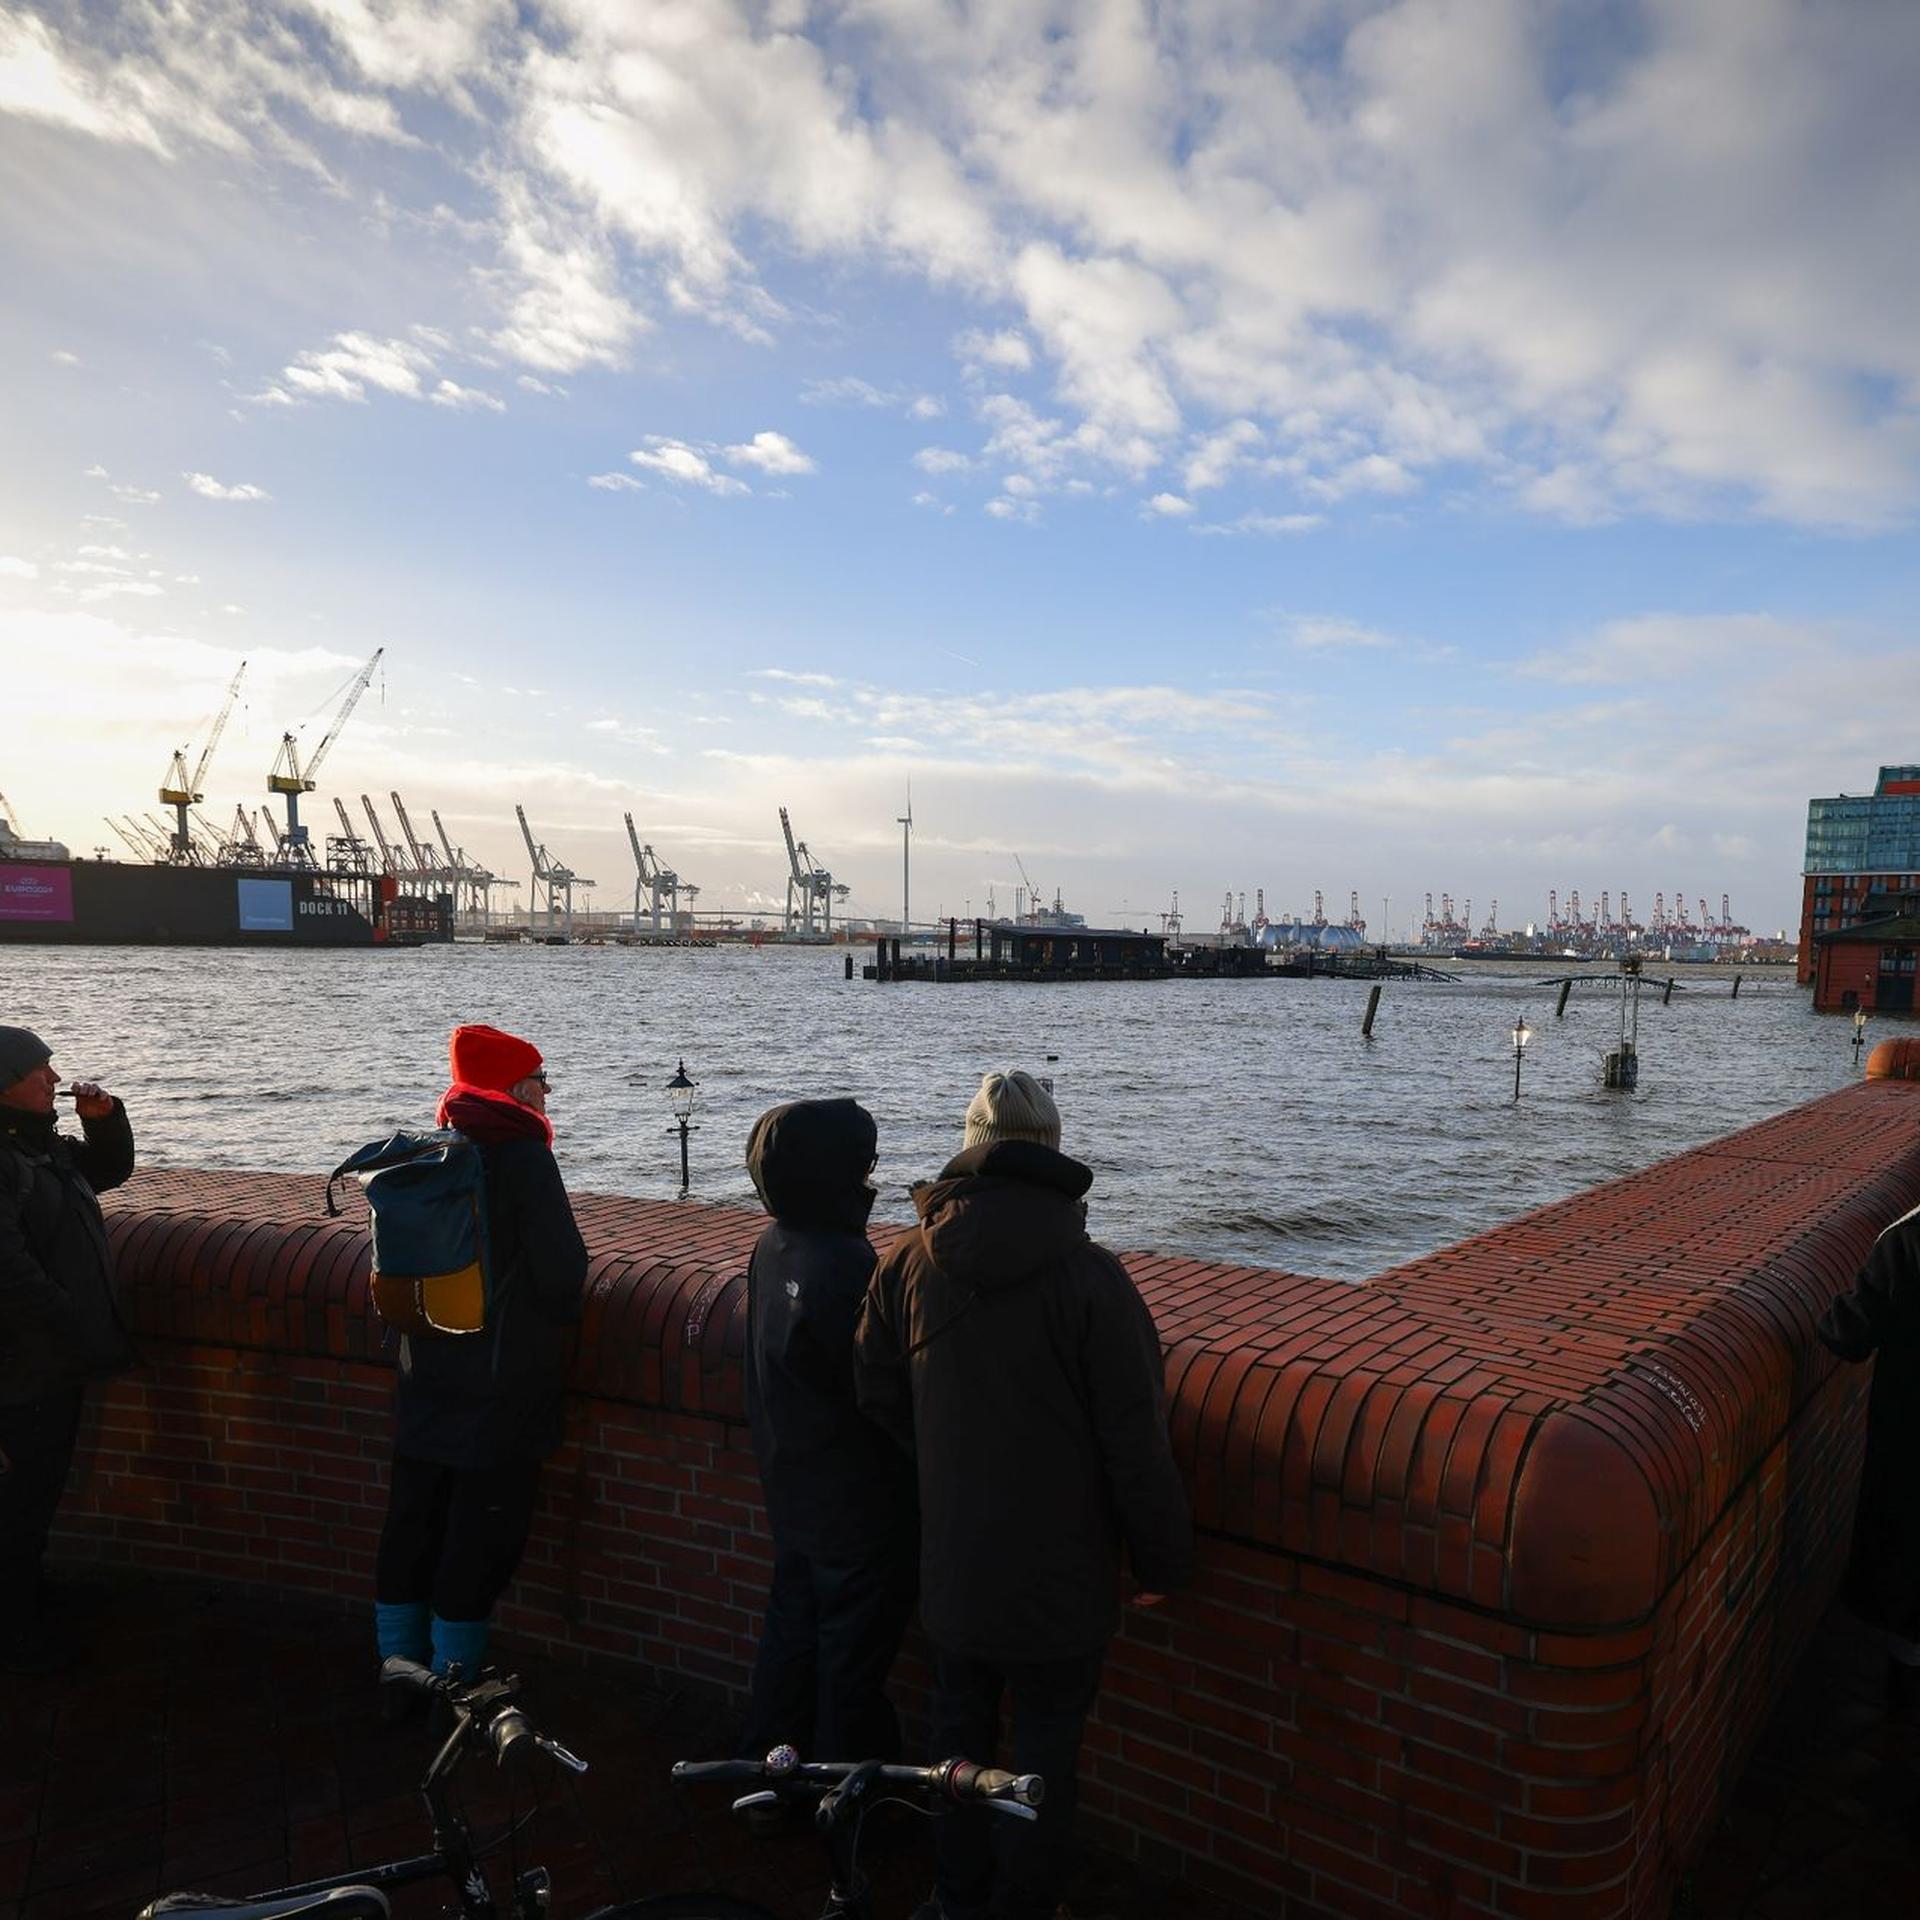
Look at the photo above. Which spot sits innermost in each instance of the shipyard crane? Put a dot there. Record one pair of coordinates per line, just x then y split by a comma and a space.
136, 840
181, 790
1319, 908
559, 881
1726, 912
807, 879
346, 851
1492, 928
291, 779
649, 873
1355, 918
478, 880
1033, 897
388, 864
241, 847
425, 859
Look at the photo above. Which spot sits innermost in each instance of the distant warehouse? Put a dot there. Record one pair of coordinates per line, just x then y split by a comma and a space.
1863, 859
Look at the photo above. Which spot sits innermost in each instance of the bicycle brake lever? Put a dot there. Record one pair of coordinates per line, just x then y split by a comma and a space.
571, 1761
765, 1798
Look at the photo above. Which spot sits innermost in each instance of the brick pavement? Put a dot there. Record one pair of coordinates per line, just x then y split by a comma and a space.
232, 1744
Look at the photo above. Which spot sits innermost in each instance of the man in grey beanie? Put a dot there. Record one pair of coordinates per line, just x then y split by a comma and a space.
59, 1323
1017, 1362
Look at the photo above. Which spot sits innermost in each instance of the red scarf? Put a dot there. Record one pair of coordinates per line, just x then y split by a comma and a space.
489, 1117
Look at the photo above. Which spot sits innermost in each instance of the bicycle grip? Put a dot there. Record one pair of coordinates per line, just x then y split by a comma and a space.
970, 1782
692, 1772
396, 1669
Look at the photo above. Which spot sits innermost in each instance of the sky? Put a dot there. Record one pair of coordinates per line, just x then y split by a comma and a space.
1381, 448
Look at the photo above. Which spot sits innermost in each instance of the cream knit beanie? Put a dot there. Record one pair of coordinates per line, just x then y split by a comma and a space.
1013, 1106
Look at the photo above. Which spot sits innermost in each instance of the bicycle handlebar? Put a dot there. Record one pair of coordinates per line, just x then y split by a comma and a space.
486, 1705
956, 1779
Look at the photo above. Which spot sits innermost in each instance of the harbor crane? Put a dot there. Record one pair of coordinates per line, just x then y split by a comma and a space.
1032, 893
810, 882
181, 790
559, 881
346, 851
241, 847
479, 881
426, 858
658, 880
388, 864
291, 778
135, 837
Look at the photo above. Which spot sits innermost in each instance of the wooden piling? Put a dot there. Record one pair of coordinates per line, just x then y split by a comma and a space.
1373, 1007
1566, 987
1666, 997
1737, 978
849, 966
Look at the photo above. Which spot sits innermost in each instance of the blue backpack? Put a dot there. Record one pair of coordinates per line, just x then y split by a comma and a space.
427, 1193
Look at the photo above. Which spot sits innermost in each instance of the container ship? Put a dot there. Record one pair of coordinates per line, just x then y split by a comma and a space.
48, 898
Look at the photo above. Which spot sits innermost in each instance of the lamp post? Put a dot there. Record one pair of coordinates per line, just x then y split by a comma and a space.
1859, 1032
680, 1092
1522, 1033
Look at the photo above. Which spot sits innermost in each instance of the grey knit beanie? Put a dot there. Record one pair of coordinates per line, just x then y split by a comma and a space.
1013, 1106
21, 1050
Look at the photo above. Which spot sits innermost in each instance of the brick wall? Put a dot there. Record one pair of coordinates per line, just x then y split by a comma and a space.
1505, 1554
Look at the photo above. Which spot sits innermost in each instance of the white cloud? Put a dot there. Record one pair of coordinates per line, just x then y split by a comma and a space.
771, 453
849, 390
616, 483
1276, 524
450, 393
209, 488
1169, 506
794, 678
62, 358
938, 460
1005, 352
677, 461
12, 567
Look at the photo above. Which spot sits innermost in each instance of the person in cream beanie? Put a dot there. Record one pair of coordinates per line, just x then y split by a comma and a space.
1013, 1106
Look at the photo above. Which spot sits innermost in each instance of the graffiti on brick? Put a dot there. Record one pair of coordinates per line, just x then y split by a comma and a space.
1673, 1388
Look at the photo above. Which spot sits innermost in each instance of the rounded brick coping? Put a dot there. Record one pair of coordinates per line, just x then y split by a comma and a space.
1544, 1421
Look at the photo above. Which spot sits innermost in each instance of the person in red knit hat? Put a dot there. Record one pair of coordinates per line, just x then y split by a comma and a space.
476, 1414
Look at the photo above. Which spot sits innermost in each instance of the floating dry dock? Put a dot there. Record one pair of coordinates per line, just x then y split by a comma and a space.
1013, 950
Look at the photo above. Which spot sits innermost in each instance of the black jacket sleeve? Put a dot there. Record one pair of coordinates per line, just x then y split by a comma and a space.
1884, 1305
883, 1382
104, 1158
31, 1299
1125, 1379
554, 1255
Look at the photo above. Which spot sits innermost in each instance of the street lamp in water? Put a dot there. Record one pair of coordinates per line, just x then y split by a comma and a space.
1522, 1033
1859, 1032
680, 1092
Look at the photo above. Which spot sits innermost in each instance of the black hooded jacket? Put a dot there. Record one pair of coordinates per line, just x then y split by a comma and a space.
1018, 1361
58, 1319
836, 1486
1880, 1320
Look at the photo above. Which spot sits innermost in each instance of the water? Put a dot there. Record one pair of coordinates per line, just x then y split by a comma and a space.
1246, 1121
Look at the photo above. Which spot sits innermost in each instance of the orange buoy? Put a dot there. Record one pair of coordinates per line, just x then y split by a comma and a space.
1894, 1060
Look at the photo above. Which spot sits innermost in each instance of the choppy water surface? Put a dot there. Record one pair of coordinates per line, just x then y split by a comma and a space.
1243, 1120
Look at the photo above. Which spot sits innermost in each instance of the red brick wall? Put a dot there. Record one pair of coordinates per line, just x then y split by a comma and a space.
1845, 967
1505, 1554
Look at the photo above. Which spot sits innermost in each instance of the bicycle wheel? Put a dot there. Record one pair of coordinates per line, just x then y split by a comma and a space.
684, 1906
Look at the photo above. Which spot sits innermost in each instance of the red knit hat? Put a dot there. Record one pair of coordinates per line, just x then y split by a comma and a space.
486, 1057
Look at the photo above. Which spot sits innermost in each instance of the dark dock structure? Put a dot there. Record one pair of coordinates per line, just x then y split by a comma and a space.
1012, 950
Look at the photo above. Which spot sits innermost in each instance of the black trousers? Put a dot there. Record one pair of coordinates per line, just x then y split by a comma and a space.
453, 1535
985, 1864
36, 1450
828, 1642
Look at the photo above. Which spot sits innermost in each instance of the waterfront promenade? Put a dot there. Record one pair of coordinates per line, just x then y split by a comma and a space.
231, 1743
1506, 1555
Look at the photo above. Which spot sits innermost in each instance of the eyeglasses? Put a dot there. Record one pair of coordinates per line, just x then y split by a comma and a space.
541, 1078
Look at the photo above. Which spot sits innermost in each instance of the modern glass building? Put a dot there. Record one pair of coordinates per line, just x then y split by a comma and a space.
1863, 853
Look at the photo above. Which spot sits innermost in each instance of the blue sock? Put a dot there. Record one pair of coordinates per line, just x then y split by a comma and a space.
461, 1641
401, 1628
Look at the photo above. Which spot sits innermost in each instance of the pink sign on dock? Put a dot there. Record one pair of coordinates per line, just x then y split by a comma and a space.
35, 893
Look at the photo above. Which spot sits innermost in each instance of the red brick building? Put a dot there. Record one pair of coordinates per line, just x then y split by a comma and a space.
1862, 849
1869, 965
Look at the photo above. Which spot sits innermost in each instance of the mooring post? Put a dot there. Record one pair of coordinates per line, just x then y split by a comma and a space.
849, 964
880, 957
1560, 1006
1668, 995
1373, 1007
1737, 978
896, 961
953, 938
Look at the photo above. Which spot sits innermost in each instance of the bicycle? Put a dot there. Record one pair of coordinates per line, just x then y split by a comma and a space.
484, 1715
848, 1791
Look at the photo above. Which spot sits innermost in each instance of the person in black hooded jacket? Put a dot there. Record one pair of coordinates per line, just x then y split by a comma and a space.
839, 1493
1019, 1363
1879, 1320
59, 1323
